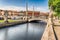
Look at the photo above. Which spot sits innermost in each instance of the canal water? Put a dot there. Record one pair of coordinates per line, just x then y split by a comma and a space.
19, 32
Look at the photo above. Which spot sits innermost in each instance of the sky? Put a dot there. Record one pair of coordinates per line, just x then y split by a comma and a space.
20, 5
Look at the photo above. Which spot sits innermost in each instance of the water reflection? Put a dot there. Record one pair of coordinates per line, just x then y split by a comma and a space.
35, 31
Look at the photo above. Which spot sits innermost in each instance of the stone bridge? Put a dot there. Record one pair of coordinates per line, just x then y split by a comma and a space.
38, 19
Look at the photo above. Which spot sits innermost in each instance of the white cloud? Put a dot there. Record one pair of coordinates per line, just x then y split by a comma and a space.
23, 8
42, 9
12, 8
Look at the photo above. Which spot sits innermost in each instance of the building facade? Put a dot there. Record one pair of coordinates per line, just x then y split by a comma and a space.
20, 14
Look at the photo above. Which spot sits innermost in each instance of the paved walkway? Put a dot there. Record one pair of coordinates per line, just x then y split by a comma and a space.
57, 31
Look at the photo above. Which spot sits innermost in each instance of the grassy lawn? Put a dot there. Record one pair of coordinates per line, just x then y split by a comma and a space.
12, 20
1, 21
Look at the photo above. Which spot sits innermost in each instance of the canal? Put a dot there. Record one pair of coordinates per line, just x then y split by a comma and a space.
19, 32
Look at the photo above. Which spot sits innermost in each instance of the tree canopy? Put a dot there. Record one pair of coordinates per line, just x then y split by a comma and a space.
55, 5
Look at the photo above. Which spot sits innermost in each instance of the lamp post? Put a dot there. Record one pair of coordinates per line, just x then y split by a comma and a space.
33, 13
27, 20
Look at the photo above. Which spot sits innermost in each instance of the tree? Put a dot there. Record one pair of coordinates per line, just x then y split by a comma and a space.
55, 5
57, 9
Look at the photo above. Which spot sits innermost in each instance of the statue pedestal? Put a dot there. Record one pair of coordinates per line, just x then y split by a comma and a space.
6, 16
